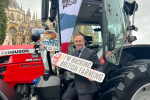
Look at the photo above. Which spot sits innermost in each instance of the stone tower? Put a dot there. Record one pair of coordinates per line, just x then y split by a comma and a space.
27, 35
20, 35
28, 16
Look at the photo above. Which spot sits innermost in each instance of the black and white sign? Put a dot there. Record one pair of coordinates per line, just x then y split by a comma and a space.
78, 66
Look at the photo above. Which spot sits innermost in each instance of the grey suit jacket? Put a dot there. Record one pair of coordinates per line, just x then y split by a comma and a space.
82, 84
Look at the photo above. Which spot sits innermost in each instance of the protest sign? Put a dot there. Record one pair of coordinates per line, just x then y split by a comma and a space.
49, 39
78, 66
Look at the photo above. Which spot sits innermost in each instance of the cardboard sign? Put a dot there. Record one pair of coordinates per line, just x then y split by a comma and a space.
78, 66
49, 39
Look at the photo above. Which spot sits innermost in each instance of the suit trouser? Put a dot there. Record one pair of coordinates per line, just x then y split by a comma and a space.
71, 93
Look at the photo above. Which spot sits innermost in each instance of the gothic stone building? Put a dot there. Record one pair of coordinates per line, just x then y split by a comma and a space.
20, 24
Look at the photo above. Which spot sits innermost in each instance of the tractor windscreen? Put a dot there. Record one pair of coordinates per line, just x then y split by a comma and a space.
92, 35
89, 22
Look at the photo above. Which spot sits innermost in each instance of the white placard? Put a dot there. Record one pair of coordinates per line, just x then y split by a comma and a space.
78, 66
49, 39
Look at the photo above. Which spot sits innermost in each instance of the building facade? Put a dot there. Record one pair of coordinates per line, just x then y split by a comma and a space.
20, 24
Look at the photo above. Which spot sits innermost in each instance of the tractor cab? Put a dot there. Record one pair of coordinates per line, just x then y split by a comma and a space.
105, 24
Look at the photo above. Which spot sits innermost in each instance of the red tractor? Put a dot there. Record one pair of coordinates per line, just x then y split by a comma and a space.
19, 69
127, 68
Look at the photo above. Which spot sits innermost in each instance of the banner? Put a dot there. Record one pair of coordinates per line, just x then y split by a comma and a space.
78, 66
68, 12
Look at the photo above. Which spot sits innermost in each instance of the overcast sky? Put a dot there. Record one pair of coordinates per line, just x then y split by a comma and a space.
142, 17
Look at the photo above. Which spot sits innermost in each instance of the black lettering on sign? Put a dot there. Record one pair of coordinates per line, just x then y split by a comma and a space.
96, 76
78, 61
65, 64
73, 60
67, 67
62, 64
86, 72
67, 58
72, 67
90, 74
100, 77
75, 68
88, 64
84, 64
81, 62
83, 71
93, 77
67, 3
80, 70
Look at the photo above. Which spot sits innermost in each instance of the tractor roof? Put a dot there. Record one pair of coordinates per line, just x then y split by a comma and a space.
90, 12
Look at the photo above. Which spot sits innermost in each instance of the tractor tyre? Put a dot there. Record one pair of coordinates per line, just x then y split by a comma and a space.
7, 92
130, 82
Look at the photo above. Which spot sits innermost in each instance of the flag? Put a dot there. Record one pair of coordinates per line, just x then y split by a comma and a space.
68, 12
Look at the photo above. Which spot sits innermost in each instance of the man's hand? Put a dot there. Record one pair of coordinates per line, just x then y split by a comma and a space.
90, 79
54, 65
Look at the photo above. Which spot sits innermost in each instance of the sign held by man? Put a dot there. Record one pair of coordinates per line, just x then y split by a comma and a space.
78, 66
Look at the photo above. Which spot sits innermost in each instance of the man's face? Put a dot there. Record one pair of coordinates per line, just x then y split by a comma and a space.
79, 42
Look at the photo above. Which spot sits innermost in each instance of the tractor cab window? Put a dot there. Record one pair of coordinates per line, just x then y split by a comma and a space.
92, 35
89, 22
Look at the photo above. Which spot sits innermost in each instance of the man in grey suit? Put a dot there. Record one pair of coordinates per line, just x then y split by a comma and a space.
83, 87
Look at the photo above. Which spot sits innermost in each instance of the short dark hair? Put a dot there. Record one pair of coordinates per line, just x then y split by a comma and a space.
81, 34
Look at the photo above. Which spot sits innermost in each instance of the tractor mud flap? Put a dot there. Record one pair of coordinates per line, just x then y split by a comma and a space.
7, 92
50, 89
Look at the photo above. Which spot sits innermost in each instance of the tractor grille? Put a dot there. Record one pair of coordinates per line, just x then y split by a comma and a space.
4, 59
2, 69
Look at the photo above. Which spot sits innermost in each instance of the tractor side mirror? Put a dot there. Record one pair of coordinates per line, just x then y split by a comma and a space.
111, 42
35, 37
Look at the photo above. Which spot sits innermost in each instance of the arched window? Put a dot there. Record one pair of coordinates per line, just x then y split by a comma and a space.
12, 30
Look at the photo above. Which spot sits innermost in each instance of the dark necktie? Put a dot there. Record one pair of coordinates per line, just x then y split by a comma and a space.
78, 53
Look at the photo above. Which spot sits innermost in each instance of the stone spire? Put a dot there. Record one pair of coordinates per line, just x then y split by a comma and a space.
36, 16
33, 18
21, 7
28, 13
